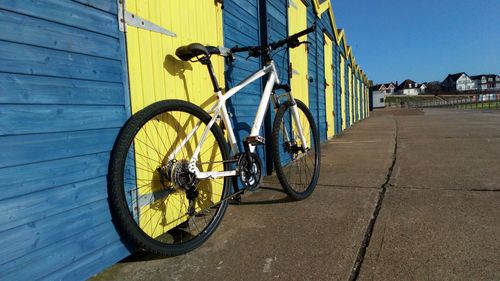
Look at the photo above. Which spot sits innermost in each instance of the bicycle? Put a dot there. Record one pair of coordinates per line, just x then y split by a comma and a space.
171, 168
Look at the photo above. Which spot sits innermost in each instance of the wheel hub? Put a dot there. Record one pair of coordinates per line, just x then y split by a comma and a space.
293, 149
177, 172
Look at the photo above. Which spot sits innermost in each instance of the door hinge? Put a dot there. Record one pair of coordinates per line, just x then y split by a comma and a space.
121, 17
126, 18
136, 21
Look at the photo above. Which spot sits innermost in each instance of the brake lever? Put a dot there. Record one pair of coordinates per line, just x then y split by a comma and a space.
295, 43
253, 53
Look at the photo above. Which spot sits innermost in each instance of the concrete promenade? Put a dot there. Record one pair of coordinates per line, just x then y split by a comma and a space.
403, 195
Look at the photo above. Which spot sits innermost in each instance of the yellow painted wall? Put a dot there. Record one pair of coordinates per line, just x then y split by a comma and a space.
328, 55
342, 92
358, 92
363, 102
367, 98
297, 16
351, 95
155, 74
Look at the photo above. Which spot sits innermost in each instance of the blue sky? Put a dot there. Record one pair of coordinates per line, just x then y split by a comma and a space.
423, 40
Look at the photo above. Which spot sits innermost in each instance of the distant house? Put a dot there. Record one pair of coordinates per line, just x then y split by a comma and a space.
377, 97
380, 91
410, 88
458, 82
387, 88
486, 82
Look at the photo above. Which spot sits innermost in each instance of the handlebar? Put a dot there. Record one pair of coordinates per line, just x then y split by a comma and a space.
293, 37
292, 41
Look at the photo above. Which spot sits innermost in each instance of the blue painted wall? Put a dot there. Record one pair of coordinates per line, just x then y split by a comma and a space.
63, 99
242, 22
62, 102
315, 73
326, 28
347, 93
276, 23
337, 89
355, 98
241, 27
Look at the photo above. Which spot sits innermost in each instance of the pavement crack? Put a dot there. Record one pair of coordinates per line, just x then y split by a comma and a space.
356, 269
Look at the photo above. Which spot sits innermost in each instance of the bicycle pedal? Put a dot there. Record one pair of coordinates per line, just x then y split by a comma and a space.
237, 199
255, 140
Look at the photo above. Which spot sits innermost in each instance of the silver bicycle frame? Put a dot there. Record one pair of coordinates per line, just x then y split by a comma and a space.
220, 110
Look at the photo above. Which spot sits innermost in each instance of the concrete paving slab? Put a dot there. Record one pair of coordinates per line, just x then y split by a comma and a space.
450, 164
450, 150
450, 124
270, 238
435, 235
438, 219
361, 156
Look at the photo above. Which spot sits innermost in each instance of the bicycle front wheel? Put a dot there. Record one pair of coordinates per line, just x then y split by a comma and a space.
297, 164
158, 204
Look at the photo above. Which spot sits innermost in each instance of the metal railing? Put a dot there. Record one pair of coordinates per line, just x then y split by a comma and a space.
476, 101
489, 100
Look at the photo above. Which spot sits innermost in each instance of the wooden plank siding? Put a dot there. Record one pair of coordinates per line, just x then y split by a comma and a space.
64, 96
277, 28
326, 29
316, 73
241, 27
337, 89
63, 99
348, 88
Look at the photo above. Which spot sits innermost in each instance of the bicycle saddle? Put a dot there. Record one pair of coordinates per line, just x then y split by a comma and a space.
193, 50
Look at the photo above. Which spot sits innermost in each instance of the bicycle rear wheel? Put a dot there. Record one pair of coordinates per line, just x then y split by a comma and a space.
158, 204
297, 164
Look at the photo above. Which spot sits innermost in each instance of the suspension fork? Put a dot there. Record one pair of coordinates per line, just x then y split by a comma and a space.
277, 104
295, 113
295, 117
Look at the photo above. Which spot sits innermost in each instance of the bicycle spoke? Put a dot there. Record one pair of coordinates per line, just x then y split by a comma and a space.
296, 171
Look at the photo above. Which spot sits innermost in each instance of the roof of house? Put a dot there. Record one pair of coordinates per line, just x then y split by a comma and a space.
455, 77
406, 85
477, 77
377, 87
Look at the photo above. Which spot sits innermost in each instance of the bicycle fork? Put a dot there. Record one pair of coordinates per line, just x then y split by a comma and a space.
295, 117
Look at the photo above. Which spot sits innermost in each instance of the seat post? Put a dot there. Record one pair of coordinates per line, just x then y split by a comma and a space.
206, 61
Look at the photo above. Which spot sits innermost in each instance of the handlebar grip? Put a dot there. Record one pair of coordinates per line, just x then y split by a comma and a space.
304, 32
240, 49
293, 37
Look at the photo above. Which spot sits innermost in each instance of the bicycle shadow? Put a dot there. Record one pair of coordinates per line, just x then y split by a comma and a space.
178, 68
140, 256
262, 197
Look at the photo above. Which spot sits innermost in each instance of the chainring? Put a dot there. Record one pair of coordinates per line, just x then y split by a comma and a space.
250, 173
